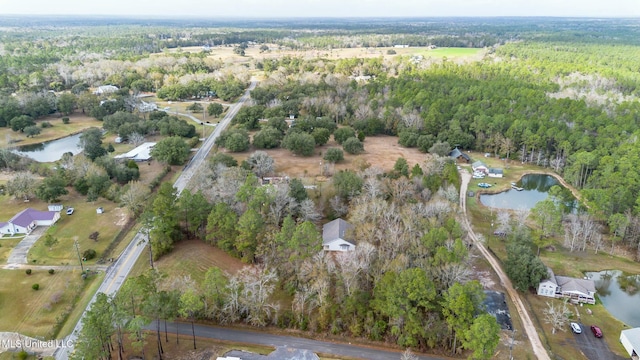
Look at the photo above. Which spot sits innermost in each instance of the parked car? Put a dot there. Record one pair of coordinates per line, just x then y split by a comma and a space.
576, 328
596, 331
484, 185
70, 211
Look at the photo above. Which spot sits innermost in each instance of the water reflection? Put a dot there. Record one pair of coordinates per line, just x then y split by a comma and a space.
52, 150
535, 188
619, 293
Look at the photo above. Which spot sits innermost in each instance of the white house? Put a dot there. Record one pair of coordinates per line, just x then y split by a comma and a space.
479, 166
573, 289
630, 339
496, 173
26, 220
105, 89
334, 237
141, 153
549, 286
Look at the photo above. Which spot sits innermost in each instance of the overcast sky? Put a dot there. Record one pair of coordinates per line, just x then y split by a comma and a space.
325, 8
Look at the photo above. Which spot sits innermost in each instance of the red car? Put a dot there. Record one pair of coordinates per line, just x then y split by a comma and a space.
596, 331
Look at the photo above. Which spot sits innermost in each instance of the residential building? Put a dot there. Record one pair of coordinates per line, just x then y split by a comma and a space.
28, 219
496, 173
574, 289
141, 153
479, 166
459, 156
335, 236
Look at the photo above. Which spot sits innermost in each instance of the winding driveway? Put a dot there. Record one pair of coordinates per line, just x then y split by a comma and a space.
529, 328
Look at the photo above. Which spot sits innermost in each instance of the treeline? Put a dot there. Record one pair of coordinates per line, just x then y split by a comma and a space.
407, 282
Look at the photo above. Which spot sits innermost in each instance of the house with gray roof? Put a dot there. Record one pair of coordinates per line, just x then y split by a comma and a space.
479, 166
28, 219
335, 236
564, 287
459, 156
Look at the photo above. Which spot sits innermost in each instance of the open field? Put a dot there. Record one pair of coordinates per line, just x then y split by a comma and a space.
194, 258
25, 310
78, 227
380, 151
226, 54
77, 123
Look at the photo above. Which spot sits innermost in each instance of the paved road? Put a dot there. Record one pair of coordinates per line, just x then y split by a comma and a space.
119, 271
531, 331
19, 253
260, 338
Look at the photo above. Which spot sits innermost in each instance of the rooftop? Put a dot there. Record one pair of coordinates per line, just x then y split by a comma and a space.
25, 217
633, 335
335, 229
585, 286
141, 153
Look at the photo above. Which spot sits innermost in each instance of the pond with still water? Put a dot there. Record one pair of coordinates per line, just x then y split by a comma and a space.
619, 293
51, 150
535, 188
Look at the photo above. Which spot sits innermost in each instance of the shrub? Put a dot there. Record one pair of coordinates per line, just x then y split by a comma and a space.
28, 271
45, 125
65, 120
353, 146
23, 355
51, 271
89, 254
343, 133
94, 236
35, 286
334, 155
408, 138
299, 143
391, 52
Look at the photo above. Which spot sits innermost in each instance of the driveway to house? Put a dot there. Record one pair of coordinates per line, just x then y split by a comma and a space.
531, 331
19, 253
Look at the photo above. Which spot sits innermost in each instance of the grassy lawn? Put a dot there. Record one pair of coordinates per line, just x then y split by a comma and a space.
6, 245
31, 312
77, 123
78, 227
81, 305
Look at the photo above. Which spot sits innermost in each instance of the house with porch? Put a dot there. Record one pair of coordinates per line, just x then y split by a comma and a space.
564, 287
335, 236
479, 166
28, 219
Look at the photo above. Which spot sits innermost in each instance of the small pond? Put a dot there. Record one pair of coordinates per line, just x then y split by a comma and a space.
51, 150
619, 293
535, 188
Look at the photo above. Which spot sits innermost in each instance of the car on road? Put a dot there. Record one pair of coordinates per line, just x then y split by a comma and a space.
70, 211
575, 327
596, 331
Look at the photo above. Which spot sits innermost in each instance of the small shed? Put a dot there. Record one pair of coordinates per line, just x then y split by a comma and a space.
630, 339
100, 210
55, 207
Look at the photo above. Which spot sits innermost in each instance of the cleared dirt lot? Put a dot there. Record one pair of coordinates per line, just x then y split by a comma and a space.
380, 151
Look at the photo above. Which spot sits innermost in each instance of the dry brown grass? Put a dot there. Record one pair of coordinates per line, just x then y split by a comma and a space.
380, 151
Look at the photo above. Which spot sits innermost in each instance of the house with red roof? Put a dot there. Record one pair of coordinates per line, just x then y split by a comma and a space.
28, 219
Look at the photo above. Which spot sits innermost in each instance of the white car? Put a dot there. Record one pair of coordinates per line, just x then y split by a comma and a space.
576, 328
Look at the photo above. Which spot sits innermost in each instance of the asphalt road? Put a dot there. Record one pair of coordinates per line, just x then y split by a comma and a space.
261, 338
119, 271
591, 347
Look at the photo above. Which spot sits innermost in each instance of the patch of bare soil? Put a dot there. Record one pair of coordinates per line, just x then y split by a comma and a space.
380, 151
121, 216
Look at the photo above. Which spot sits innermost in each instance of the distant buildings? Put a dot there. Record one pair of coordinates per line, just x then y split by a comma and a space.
105, 90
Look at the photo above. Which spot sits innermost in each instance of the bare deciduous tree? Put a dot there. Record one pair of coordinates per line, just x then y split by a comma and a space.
133, 199
261, 163
23, 185
136, 138
557, 316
